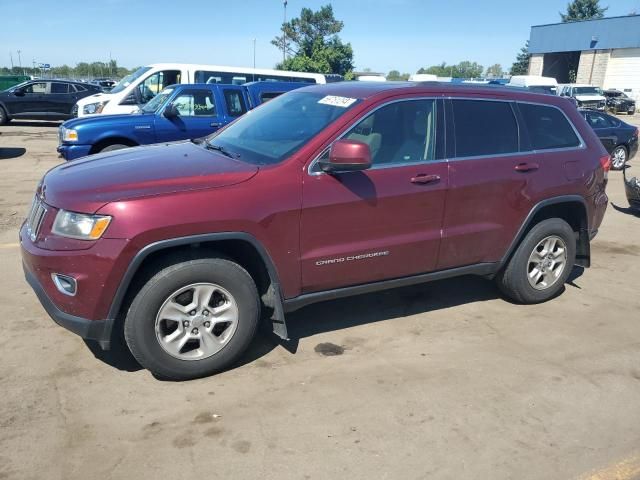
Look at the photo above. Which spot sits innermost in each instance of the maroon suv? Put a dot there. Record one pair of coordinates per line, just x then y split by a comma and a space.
324, 192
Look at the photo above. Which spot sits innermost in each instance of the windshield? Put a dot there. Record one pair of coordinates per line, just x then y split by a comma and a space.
281, 126
152, 105
126, 81
587, 91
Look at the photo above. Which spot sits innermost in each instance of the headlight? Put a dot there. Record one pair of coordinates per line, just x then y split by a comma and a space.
80, 225
69, 134
92, 108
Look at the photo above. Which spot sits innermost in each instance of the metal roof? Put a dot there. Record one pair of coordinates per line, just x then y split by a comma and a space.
602, 34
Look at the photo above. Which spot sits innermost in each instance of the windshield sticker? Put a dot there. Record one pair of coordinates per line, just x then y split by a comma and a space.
342, 102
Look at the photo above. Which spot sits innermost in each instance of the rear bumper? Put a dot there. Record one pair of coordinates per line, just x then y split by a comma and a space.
71, 152
632, 190
98, 330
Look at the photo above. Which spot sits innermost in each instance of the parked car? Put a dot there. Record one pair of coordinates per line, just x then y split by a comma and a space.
535, 83
632, 189
327, 191
43, 99
619, 102
619, 138
586, 96
179, 112
106, 84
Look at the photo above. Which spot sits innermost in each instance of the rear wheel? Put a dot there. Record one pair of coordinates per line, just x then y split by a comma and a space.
193, 319
619, 157
541, 264
115, 146
4, 118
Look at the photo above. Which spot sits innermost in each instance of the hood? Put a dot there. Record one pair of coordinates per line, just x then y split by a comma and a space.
97, 97
108, 121
86, 185
590, 98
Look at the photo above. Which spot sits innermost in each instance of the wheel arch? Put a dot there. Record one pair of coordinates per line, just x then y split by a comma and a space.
106, 141
570, 208
241, 247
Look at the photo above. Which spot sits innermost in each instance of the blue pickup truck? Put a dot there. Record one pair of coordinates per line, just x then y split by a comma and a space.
179, 112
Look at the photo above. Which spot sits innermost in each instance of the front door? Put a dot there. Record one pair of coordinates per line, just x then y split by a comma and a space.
29, 99
198, 117
385, 222
60, 99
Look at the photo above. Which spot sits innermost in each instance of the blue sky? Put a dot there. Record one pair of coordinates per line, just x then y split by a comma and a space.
385, 34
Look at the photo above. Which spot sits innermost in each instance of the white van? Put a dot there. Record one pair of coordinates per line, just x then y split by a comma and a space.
535, 83
142, 85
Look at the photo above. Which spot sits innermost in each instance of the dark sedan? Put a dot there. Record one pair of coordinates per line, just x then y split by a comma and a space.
619, 102
43, 99
619, 138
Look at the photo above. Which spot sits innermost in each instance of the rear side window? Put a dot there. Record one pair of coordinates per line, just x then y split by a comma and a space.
59, 87
484, 128
548, 127
235, 103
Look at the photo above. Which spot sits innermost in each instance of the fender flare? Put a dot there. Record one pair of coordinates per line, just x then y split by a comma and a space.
279, 325
536, 208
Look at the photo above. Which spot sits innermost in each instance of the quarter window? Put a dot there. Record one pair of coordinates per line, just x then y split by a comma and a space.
548, 127
484, 128
197, 103
402, 132
598, 120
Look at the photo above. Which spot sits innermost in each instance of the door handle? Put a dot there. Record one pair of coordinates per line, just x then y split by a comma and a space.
422, 179
527, 167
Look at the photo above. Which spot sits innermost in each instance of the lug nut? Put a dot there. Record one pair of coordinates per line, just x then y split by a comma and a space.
207, 324
194, 331
206, 313
192, 313
185, 323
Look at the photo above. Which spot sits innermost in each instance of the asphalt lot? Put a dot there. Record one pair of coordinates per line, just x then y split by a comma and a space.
445, 380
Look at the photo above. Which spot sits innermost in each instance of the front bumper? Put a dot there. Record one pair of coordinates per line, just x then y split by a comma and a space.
97, 330
71, 152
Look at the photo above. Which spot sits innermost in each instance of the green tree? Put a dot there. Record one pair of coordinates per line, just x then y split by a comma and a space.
583, 10
494, 71
465, 69
521, 65
313, 45
394, 75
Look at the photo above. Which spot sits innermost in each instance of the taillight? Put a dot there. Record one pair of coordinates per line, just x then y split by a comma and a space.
637, 132
605, 162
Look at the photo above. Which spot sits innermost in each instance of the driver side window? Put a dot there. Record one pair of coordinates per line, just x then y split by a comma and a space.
37, 88
197, 103
399, 133
155, 83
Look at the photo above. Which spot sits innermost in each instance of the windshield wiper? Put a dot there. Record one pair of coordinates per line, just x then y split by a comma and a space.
222, 150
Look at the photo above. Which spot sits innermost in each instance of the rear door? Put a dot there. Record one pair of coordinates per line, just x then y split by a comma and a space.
491, 181
198, 116
604, 128
385, 222
60, 99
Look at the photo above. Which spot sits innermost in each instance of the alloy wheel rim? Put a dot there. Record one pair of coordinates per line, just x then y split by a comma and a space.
196, 321
619, 157
547, 262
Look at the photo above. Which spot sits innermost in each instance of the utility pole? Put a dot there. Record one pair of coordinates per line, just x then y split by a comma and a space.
20, 60
254, 59
11, 56
284, 33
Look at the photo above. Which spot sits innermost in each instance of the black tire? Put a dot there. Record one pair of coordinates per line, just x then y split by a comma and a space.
115, 146
512, 280
4, 118
140, 322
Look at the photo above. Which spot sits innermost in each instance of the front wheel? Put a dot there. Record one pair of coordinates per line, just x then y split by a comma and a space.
115, 146
193, 319
541, 264
619, 158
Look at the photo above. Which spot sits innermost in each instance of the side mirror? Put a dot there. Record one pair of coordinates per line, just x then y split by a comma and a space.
171, 111
347, 156
18, 93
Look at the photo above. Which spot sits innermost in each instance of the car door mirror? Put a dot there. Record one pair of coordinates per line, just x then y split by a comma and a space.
19, 92
347, 156
171, 111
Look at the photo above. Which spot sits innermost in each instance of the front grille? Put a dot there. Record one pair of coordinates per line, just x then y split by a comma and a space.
590, 105
35, 217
